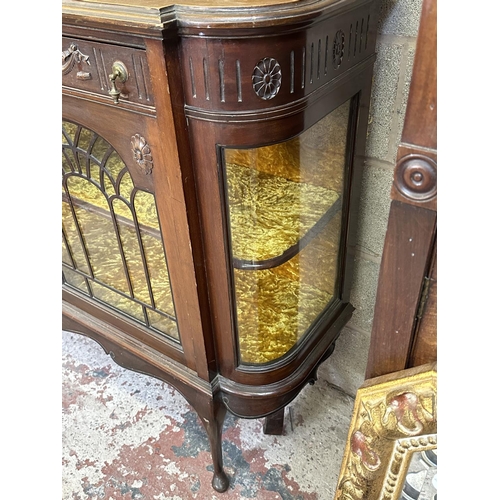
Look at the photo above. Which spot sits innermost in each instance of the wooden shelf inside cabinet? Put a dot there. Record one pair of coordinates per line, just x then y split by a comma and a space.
210, 191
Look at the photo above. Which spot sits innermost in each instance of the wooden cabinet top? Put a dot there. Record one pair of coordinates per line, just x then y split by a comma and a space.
202, 14
220, 4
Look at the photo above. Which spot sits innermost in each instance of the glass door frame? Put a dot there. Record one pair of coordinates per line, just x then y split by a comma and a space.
337, 301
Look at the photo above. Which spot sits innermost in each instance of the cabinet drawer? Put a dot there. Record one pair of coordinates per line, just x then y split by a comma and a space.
86, 67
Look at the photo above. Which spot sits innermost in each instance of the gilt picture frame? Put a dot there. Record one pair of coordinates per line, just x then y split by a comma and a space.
391, 449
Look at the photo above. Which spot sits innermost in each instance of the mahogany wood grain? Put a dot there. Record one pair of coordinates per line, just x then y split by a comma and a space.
405, 261
421, 127
154, 19
172, 212
424, 349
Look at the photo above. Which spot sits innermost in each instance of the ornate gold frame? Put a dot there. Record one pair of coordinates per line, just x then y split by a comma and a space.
394, 416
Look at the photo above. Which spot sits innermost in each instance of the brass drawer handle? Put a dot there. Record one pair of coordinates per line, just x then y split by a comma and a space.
119, 72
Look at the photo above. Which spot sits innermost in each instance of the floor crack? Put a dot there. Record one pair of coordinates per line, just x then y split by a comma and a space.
339, 389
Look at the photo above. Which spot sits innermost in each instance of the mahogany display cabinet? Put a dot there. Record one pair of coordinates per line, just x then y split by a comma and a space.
211, 163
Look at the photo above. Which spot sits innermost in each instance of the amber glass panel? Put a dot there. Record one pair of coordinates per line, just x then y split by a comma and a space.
285, 213
132, 252
112, 247
74, 245
74, 279
153, 251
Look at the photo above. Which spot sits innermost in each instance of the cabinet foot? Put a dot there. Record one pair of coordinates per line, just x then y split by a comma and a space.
314, 374
274, 423
212, 416
220, 482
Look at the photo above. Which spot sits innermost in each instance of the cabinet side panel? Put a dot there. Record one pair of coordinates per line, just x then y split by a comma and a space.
405, 261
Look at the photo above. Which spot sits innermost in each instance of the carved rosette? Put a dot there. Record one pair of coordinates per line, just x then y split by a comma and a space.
338, 49
416, 177
142, 153
266, 78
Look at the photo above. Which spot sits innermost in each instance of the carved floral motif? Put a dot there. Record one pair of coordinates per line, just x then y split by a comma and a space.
142, 153
266, 78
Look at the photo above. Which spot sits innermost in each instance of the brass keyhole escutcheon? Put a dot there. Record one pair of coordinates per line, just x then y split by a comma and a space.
120, 73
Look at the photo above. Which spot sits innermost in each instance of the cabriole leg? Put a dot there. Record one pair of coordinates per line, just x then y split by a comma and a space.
213, 418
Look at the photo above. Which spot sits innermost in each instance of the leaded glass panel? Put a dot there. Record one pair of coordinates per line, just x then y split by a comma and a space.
112, 248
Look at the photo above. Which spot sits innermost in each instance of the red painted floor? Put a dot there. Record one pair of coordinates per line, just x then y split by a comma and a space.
129, 436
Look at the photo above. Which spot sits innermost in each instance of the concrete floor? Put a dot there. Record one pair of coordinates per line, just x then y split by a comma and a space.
129, 436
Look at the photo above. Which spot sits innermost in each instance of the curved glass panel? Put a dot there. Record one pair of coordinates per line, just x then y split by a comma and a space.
285, 214
112, 248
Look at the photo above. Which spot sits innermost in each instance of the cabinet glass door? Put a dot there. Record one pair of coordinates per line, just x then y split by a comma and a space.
285, 218
112, 248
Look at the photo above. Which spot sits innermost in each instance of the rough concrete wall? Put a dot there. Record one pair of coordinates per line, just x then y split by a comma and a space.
397, 35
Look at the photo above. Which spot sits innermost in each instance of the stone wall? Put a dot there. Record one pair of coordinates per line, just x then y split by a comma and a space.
397, 36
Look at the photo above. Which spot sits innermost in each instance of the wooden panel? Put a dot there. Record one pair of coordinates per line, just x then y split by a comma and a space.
425, 345
405, 261
170, 194
421, 123
195, 18
220, 75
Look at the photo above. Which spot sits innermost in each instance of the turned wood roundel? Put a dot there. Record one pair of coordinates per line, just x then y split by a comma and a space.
416, 177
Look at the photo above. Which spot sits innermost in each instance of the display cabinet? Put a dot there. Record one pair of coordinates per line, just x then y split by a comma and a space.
211, 162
